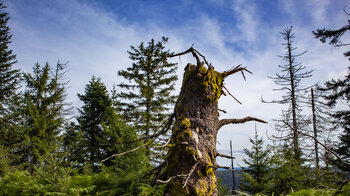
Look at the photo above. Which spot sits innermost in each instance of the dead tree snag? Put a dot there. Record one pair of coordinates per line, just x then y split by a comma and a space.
190, 162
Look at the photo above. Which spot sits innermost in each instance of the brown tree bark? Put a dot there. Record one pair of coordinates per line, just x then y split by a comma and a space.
190, 163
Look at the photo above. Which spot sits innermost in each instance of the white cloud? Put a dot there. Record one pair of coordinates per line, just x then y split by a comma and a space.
247, 20
318, 10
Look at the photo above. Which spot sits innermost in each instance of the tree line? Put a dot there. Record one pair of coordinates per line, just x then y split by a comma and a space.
120, 143
311, 127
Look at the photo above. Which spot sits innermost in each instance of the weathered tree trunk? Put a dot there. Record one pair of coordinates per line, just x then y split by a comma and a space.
190, 163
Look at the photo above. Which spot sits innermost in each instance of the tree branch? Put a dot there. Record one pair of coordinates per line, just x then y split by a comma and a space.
164, 130
190, 50
172, 177
341, 187
189, 174
223, 167
236, 69
221, 110
126, 152
324, 146
238, 121
231, 94
223, 155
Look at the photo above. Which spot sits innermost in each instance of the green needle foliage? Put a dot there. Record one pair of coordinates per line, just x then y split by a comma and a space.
146, 100
97, 106
9, 77
287, 172
11, 119
256, 173
338, 91
45, 108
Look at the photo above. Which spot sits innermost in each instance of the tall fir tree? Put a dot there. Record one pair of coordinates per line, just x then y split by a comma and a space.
338, 92
9, 77
45, 107
97, 106
146, 100
292, 73
11, 120
256, 172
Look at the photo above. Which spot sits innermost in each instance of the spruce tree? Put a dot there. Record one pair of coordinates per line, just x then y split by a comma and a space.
92, 115
11, 130
72, 143
338, 92
118, 137
45, 107
146, 100
256, 171
287, 172
9, 77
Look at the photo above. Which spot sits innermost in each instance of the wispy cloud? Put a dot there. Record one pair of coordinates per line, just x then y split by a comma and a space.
247, 20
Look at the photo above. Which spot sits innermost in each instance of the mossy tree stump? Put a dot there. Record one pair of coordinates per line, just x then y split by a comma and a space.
190, 162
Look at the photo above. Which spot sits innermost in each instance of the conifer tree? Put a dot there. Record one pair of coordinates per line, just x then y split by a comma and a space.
146, 100
94, 112
292, 73
11, 130
9, 77
287, 172
72, 143
338, 91
118, 137
45, 107
256, 171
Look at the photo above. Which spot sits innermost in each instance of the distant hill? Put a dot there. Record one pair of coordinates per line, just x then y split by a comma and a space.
226, 177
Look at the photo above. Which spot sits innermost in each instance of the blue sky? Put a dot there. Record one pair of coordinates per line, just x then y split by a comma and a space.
94, 37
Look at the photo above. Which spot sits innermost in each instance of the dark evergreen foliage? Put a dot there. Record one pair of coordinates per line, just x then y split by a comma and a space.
94, 112
151, 81
11, 119
45, 109
287, 172
256, 172
9, 77
333, 36
146, 100
72, 144
338, 92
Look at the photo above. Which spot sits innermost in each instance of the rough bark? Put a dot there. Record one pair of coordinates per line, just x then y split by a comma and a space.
190, 162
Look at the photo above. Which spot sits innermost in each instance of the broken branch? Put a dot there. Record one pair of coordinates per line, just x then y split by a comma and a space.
238, 68
190, 50
224, 111
189, 174
224, 167
164, 130
172, 177
223, 155
231, 95
238, 121
126, 152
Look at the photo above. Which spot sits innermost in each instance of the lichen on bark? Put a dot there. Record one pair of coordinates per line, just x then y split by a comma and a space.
191, 160
194, 133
